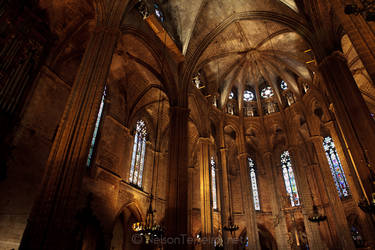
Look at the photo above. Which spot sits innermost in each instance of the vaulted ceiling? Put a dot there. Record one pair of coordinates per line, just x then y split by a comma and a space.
233, 44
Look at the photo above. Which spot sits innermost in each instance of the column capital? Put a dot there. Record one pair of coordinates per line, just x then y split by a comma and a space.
335, 55
330, 124
242, 155
316, 138
205, 140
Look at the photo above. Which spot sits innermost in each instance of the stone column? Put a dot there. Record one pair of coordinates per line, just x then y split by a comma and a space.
225, 208
191, 170
355, 185
53, 221
226, 211
352, 113
177, 204
340, 223
360, 33
312, 229
247, 196
205, 189
281, 230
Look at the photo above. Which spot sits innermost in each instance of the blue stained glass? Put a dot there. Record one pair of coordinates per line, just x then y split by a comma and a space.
138, 155
336, 167
213, 183
254, 185
289, 179
96, 129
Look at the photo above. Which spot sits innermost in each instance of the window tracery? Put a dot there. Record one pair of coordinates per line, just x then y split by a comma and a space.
267, 92
283, 85
289, 179
158, 12
248, 96
254, 185
213, 183
138, 156
336, 167
96, 129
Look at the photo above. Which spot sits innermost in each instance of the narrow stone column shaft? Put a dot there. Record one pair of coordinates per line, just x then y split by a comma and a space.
281, 231
247, 196
225, 207
205, 189
312, 229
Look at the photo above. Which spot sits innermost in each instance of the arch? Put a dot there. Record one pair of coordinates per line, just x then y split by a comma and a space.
267, 240
143, 94
166, 76
122, 227
288, 21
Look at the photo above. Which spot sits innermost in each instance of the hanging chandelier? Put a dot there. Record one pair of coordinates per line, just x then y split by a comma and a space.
149, 230
232, 228
368, 9
316, 216
366, 206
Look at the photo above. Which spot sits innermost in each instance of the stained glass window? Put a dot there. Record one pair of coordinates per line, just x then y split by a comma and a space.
267, 92
158, 12
336, 168
283, 85
254, 185
138, 156
248, 96
289, 180
96, 129
213, 183
231, 95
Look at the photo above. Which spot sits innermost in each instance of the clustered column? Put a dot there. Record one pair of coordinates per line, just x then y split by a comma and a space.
225, 208
177, 204
312, 229
281, 231
53, 218
353, 115
247, 195
205, 190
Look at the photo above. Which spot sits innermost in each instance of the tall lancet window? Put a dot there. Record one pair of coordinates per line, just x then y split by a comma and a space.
213, 183
138, 157
96, 129
289, 180
336, 167
254, 185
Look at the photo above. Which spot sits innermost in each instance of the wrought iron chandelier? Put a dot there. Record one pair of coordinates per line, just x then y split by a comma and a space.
368, 9
149, 229
232, 228
366, 206
316, 216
